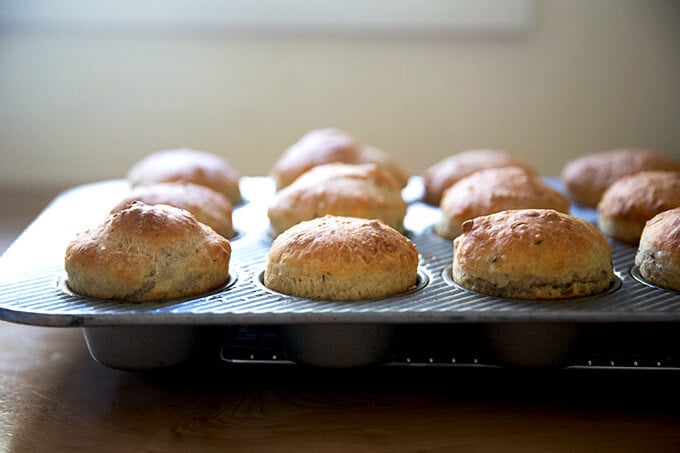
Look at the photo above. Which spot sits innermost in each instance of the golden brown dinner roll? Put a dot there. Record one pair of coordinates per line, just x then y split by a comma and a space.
658, 255
145, 253
209, 207
371, 154
492, 190
629, 202
341, 258
447, 172
188, 165
532, 254
325, 146
317, 147
587, 177
364, 191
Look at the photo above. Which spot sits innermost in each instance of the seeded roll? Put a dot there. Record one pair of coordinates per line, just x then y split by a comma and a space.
631, 201
145, 253
364, 191
658, 255
341, 258
532, 254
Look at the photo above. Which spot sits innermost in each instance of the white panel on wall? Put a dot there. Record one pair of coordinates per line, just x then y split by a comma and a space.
276, 15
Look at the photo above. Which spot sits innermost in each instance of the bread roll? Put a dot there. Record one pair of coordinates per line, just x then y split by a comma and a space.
341, 258
144, 253
209, 207
364, 191
447, 172
317, 147
629, 202
658, 255
532, 254
493, 190
587, 177
371, 154
188, 165
325, 146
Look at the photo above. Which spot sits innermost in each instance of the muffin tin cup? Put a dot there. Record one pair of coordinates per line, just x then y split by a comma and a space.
338, 345
438, 323
142, 347
532, 344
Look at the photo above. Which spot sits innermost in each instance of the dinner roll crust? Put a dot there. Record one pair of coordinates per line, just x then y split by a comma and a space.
209, 207
493, 190
658, 255
144, 253
370, 154
330, 145
317, 147
447, 172
188, 165
341, 258
587, 177
532, 254
629, 202
364, 191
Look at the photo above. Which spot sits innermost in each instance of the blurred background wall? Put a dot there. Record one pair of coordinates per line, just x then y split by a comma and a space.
85, 104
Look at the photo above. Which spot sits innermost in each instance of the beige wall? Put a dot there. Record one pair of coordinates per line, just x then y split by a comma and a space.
589, 75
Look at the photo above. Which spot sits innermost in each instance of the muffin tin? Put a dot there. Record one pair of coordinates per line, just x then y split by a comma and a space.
633, 324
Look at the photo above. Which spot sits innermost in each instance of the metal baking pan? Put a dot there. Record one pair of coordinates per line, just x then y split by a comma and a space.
633, 324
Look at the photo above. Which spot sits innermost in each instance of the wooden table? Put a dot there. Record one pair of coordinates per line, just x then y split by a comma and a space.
54, 397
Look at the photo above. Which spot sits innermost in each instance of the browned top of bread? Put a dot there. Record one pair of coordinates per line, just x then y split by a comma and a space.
492, 190
587, 177
325, 146
658, 255
364, 191
447, 172
317, 147
188, 165
641, 196
209, 207
663, 232
532, 253
371, 154
341, 258
143, 253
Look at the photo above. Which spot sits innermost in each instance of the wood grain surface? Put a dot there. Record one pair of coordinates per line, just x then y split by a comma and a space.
54, 397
